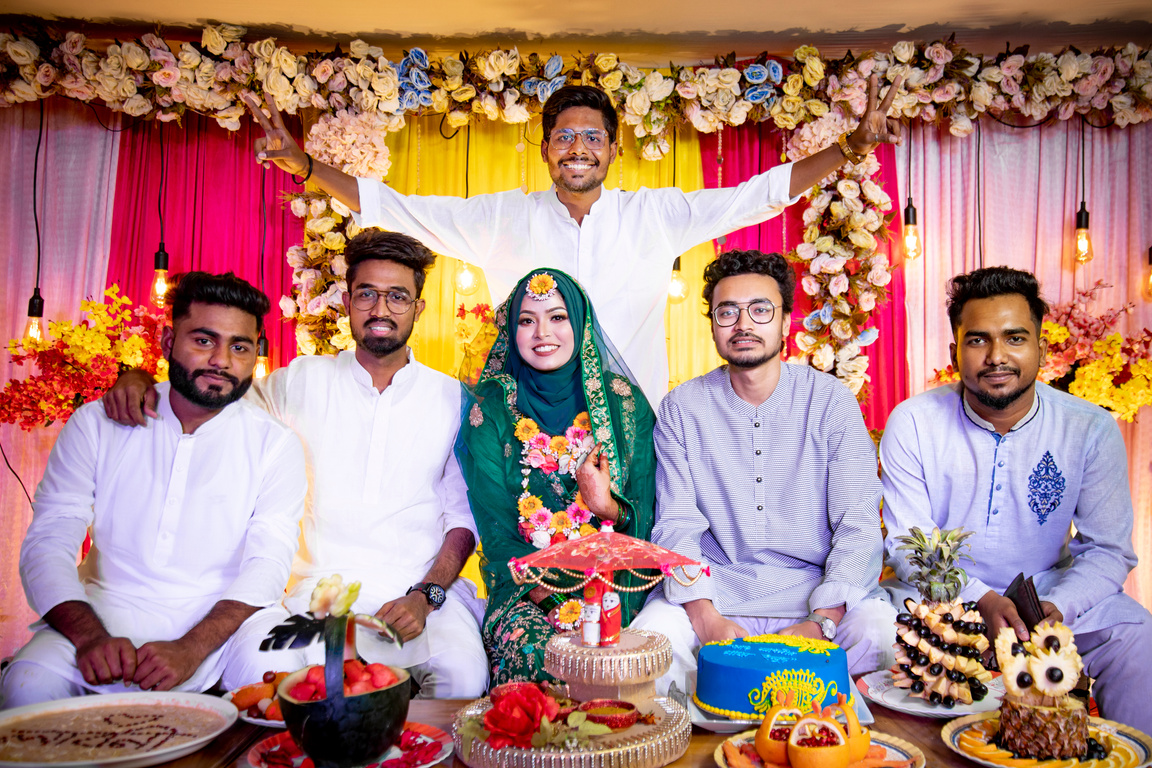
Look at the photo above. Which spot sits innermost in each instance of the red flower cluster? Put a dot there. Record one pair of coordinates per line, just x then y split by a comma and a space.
516, 716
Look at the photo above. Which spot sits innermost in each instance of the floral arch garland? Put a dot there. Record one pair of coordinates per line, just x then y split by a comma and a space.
363, 93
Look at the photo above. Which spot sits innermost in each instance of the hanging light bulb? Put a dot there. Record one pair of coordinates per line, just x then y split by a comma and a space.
913, 247
1150, 273
677, 286
160, 277
467, 282
34, 328
263, 366
1083, 239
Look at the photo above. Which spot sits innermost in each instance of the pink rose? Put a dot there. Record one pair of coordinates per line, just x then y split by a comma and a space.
338, 82
1010, 86
152, 42
243, 63
838, 285
166, 77
935, 72
71, 63
866, 67
46, 75
164, 58
806, 251
1012, 65
73, 43
224, 71
1066, 109
233, 51
323, 71
810, 285
938, 53
167, 117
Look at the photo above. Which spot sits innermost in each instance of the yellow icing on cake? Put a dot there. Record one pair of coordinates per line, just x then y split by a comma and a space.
804, 683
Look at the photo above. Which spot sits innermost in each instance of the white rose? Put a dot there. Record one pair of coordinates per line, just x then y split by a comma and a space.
189, 57
862, 239
286, 61
334, 241
440, 100
137, 105
212, 40
739, 112
515, 112
823, 358
657, 86
126, 89
638, 103
729, 78
655, 149
305, 86
287, 307
23, 51
134, 56
904, 51
317, 207
358, 48
541, 539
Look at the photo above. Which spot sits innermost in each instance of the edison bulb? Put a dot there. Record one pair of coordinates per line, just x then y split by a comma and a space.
34, 329
159, 287
466, 282
1083, 246
677, 287
262, 368
913, 247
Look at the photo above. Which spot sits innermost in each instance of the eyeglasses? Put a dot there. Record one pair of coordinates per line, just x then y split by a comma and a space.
367, 298
566, 137
761, 312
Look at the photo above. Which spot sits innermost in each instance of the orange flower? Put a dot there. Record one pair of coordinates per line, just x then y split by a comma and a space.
582, 421
526, 429
561, 521
541, 284
579, 501
528, 505
569, 611
588, 530
559, 444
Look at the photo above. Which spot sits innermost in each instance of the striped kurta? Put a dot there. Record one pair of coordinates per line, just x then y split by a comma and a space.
781, 500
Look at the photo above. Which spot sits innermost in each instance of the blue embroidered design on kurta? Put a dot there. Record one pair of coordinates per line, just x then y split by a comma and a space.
1045, 488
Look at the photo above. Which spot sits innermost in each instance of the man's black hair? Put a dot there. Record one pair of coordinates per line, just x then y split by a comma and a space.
580, 96
378, 245
995, 281
733, 263
223, 290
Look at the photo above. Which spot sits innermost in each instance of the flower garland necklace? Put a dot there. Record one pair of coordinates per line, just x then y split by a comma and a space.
539, 525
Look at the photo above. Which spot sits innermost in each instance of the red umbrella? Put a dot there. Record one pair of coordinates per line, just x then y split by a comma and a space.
598, 555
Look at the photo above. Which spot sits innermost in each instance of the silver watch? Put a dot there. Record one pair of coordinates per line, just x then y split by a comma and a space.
827, 626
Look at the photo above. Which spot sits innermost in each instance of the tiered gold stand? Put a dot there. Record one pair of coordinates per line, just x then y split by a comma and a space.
627, 671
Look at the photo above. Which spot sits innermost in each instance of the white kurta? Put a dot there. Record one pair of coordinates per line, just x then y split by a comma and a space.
179, 522
386, 487
621, 253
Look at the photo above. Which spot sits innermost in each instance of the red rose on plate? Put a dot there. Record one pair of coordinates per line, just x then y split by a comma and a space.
516, 716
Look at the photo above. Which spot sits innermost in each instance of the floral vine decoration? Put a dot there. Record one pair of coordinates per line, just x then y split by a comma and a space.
549, 454
78, 362
1088, 358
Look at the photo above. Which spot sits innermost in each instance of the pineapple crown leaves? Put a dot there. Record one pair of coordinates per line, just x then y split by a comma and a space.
936, 556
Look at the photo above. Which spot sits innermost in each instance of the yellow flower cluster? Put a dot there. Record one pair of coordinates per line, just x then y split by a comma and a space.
1054, 332
1096, 380
528, 505
541, 284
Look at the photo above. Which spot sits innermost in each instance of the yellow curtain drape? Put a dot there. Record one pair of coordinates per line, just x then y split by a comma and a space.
431, 159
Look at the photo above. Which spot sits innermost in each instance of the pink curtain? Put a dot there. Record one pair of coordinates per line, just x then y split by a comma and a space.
740, 153
77, 173
211, 213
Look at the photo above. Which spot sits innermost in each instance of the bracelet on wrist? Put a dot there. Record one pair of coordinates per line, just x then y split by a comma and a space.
550, 603
307, 176
851, 155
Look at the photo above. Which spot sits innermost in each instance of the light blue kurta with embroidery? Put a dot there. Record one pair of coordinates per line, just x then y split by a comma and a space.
1062, 464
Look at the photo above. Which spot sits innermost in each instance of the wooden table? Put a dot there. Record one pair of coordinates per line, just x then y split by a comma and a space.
231, 749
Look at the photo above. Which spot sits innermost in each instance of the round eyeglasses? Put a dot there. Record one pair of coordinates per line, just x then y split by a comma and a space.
761, 312
565, 137
398, 302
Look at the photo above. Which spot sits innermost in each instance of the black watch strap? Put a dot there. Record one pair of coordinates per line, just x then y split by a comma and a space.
433, 593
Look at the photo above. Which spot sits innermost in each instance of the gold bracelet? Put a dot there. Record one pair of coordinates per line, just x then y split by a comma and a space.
847, 150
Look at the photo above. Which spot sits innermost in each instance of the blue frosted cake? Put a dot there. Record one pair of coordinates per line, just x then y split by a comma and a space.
743, 678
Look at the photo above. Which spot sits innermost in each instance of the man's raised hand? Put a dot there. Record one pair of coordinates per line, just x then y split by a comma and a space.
875, 126
277, 145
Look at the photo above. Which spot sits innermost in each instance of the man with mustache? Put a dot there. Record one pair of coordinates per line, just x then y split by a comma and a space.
767, 475
193, 519
1020, 463
388, 505
619, 245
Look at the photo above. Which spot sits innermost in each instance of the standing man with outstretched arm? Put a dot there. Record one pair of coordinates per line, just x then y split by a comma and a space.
619, 245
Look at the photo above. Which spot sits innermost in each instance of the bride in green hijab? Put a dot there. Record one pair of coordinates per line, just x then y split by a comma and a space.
557, 441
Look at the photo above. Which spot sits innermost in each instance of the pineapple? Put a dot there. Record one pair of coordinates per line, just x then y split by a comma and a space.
939, 641
1038, 719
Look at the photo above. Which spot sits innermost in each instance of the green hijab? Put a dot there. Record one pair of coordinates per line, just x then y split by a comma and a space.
550, 398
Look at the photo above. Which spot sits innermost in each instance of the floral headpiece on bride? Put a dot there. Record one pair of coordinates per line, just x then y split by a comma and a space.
541, 287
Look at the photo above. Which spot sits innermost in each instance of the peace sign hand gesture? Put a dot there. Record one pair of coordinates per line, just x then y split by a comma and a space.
277, 146
875, 126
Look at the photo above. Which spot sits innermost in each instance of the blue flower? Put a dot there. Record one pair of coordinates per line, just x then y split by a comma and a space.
420, 79
826, 313
528, 87
812, 322
418, 57
775, 71
547, 89
425, 98
868, 336
758, 94
554, 65
756, 73
410, 101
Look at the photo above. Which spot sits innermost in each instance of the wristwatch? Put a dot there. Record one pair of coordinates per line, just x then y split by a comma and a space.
433, 593
827, 626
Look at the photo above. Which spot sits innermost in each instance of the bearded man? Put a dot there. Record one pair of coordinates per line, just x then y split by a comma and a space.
388, 505
1023, 466
767, 475
193, 520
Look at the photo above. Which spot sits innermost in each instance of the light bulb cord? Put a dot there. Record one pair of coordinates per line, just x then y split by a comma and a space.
35, 184
160, 195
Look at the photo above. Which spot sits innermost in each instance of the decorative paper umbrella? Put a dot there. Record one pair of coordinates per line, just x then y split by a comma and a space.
599, 555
